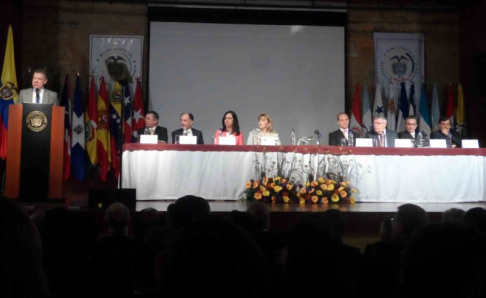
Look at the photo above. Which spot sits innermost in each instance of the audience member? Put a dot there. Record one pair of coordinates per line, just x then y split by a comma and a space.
213, 258
453, 215
21, 273
114, 255
444, 260
475, 218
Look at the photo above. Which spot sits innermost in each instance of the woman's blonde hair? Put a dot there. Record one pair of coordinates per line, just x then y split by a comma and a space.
269, 119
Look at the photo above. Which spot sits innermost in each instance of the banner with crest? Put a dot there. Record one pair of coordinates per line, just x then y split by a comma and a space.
399, 57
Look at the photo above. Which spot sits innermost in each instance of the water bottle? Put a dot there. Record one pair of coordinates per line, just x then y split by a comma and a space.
350, 139
292, 137
420, 140
146, 131
449, 141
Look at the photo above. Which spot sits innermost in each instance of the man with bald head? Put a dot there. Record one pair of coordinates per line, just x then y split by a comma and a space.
187, 120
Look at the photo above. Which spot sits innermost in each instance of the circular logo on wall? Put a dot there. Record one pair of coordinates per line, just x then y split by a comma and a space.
119, 63
399, 65
36, 121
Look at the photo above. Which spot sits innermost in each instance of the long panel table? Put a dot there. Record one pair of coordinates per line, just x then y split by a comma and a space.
167, 172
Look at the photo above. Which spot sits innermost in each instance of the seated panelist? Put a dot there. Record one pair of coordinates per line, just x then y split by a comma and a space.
340, 136
231, 127
187, 120
151, 128
265, 129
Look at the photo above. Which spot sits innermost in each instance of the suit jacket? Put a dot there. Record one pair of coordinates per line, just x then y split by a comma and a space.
456, 138
49, 97
406, 135
335, 138
391, 136
160, 131
195, 132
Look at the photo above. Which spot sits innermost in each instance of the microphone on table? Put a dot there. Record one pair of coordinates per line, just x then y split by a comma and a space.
318, 134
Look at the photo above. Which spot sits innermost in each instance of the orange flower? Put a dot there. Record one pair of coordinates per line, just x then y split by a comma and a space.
265, 180
262, 188
302, 190
258, 196
318, 192
311, 190
330, 187
289, 186
321, 180
274, 198
255, 184
284, 180
324, 186
325, 200
315, 199
343, 184
343, 193
272, 185
248, 184
314, 183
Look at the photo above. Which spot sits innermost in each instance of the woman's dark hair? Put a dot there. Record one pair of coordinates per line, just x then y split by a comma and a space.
236, 125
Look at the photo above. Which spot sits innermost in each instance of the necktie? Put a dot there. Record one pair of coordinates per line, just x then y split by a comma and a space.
345, 133
37, 95
382, 140
152, 130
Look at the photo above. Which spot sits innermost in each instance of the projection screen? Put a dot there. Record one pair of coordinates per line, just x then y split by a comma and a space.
294, 72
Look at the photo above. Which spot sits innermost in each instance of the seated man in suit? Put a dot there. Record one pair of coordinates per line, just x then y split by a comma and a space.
38, 94
151, 121
187, 119
340, 136
411, 133
445, 131
383, 136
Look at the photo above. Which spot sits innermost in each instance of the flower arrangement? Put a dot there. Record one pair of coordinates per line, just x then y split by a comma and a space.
281, 190
278, 189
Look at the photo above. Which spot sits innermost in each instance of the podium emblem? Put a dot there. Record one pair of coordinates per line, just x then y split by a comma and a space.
36, 121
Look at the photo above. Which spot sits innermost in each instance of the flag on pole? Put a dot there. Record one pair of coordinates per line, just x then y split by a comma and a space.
116, 136
8, 91
461, 112
366, 112
411, 100
403, 111
138, 112
78, 161
66, 103
435, 113
391, 115
356, 121
103, 132
378, 109
127, 114
91, 125
424, 119
450, 106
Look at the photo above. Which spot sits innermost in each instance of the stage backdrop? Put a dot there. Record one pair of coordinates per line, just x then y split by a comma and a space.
295, 73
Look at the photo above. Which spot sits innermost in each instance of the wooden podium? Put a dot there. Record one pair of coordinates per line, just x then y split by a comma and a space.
35, 152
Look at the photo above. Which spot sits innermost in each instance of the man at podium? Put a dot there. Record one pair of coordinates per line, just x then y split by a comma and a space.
38, 94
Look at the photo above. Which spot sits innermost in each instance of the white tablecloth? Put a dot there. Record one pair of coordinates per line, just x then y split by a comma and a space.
161, 172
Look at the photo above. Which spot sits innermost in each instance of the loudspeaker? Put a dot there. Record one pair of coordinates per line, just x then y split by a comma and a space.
103, 198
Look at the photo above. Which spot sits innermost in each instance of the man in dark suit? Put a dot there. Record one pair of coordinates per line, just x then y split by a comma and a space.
383, 136
445, 131
411, 133
187, 119
340, 136
151, 121
38, 94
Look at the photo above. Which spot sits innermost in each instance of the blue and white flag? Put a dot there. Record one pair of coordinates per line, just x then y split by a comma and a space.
423, 117
378, 109
435, 113
78, 153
